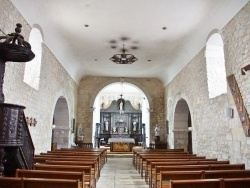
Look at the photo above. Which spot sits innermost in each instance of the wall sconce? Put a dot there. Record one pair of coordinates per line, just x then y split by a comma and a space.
31, 121
229, 112
245, 69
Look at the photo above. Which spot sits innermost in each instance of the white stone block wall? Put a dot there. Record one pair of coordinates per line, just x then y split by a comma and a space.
214, 134
55, 82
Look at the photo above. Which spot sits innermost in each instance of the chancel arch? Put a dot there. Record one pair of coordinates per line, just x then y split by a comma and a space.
60, 127
182, 126
121, 110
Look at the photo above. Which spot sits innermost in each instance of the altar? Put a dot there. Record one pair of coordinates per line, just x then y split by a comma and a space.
121, 144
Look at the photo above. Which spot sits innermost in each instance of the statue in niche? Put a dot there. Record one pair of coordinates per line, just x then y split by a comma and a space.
157, 130
106, 126
134, 126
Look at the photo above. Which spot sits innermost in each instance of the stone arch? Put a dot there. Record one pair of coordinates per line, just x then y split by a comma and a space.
182, 124
61, 122
95, 107
108, 82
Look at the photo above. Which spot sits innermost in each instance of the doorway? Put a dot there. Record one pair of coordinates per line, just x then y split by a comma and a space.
60, 128
182, 126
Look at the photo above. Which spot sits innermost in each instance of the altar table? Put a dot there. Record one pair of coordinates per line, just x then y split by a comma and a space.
121, 144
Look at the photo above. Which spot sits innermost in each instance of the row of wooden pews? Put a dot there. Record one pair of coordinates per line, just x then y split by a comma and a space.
172, 168
79, 167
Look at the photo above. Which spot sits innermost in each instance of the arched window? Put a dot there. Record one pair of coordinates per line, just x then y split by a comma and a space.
33, 68
215, 62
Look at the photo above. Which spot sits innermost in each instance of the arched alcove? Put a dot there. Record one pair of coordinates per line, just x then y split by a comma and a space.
60, 128
130, 92
182, 126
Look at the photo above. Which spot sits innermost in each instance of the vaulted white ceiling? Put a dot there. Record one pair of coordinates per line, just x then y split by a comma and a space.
84, 34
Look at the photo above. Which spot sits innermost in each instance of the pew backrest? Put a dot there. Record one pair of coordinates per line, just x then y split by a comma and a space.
204, 183
21, 173
11, 182
49, 183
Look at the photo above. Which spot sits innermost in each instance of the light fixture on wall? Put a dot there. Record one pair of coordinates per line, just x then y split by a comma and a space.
245, 69
123, 58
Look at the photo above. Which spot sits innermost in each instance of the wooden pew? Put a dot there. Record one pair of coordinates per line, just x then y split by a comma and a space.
14, 182
166, 176
103, 151
143, 164
88, 176
155, 175
43, 159
204, 183
75, 163
149, 161
236, 183
52, 175
152, 171
75, 154
212, 183
137, 152
213, 174
11, 182
49, 183
142, 160
159, 154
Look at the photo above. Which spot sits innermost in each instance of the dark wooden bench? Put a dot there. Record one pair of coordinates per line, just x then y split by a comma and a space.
42, 159
155, 175
49, 183
21, 173
149, 161
11, 182
204, 183
166, 176
142, 160
212, 183
137, 152
236, 183
75, 163
15, 182
102, 151
88, 175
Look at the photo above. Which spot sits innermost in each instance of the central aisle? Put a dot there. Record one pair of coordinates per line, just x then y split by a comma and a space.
120, 173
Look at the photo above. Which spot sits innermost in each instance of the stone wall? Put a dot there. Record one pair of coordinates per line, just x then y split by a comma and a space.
54, 82
89, 87
214, 134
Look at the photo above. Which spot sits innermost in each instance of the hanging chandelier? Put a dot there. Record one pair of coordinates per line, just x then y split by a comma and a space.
123, 58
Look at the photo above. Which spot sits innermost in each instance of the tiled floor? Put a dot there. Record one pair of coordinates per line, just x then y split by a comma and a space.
120, 173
